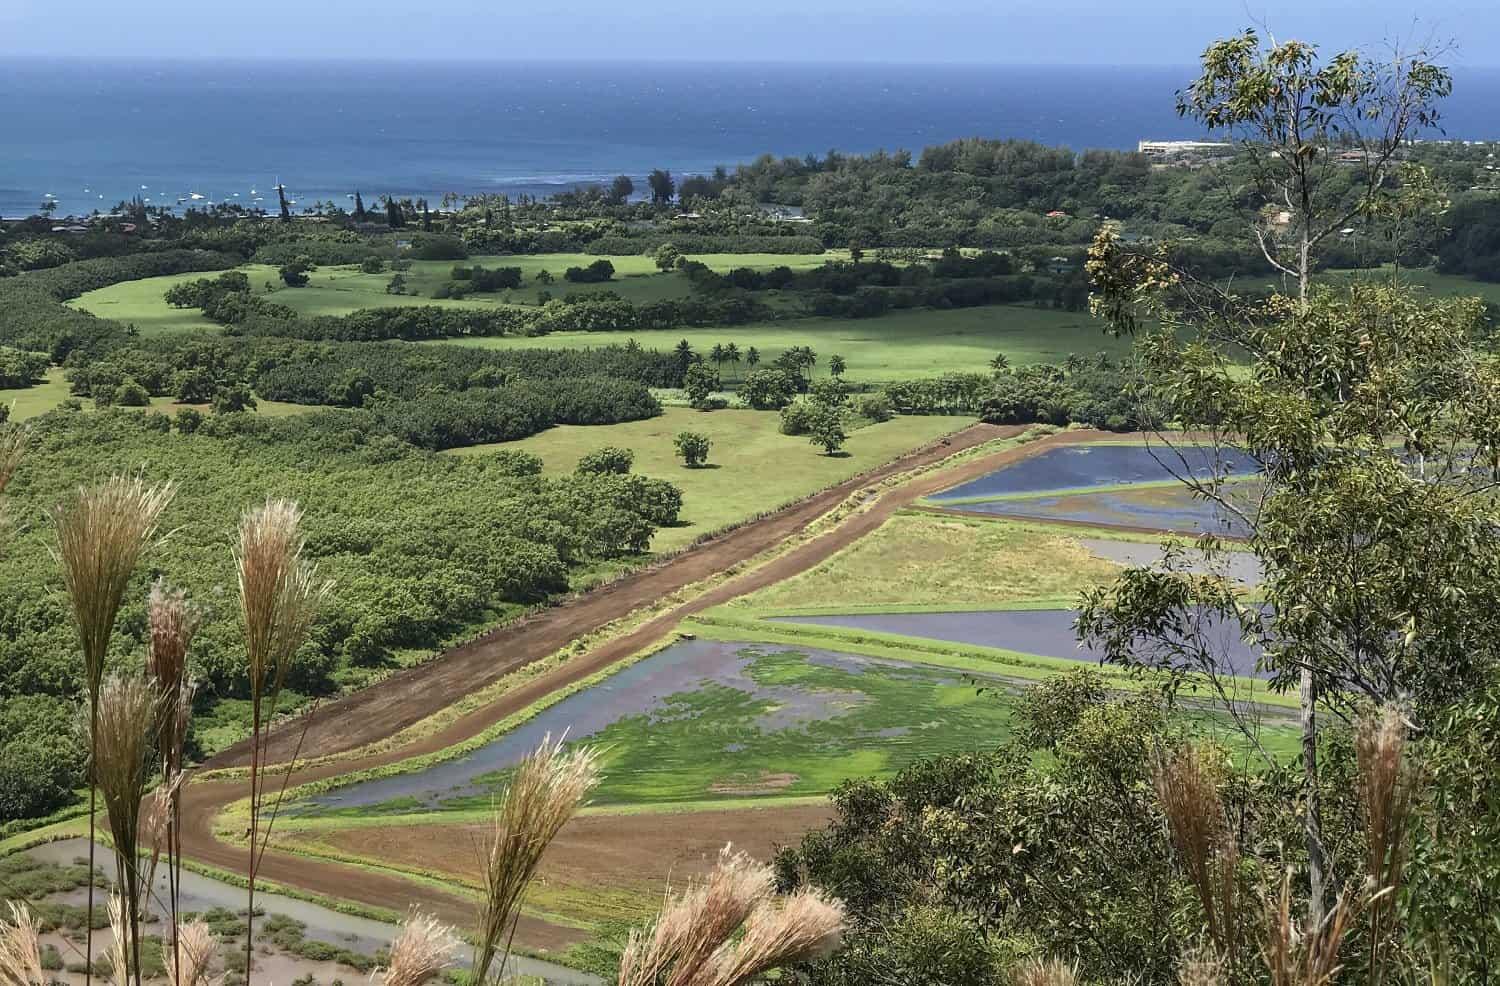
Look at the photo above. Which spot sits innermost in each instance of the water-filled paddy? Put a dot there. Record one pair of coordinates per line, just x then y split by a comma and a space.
1157, 508
702, 719
1044, 632
359, 934
1081, 466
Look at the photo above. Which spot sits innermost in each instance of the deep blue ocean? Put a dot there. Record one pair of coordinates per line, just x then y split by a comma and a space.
93, 132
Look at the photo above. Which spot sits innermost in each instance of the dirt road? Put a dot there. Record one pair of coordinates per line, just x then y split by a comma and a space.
384, 709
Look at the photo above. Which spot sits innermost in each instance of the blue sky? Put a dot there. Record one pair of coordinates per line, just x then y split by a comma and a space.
1068, 32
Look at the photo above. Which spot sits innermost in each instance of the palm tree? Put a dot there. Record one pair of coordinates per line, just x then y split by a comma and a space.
1000, 363
732, 354
836, 365
717, 355
752, 357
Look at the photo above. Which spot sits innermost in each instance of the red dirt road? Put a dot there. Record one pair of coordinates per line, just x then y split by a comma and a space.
384, 709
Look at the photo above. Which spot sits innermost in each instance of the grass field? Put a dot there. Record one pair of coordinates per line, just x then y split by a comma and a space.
343, 289
753, 467
31, 401
899, 345
917, 560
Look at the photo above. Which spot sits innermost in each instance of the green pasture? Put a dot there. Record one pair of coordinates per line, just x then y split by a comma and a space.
898, 345
338, 290
752, 467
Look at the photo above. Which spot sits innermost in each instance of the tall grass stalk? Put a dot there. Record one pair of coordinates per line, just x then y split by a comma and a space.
126, 721
1044, 972
279, 598
21, 949
1187, 785
692, 941
546, 790
1387, 783
101, 532
423, 949
173, 621
191, 955
1304, 957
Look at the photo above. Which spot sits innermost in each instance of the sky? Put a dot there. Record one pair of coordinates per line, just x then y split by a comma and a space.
1056, 32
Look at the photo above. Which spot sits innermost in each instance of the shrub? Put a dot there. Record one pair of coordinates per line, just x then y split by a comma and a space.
874, 407
596, 272
235, 397
767, 390
692, 447
825, 428
439, 248
700, 382
372, 265
796, 418
294, 274
188, 420
606, 461
129, 393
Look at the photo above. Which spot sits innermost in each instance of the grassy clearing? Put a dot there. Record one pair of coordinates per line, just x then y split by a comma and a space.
1436, 284
917, 559
343, 289
899, 345
29, 402
753, 467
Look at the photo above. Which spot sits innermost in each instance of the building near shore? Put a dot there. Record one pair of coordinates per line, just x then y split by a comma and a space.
1182, 148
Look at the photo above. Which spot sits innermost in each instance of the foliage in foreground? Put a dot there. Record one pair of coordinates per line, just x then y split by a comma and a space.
425, 548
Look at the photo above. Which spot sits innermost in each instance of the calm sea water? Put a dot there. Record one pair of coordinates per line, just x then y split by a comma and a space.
93, 132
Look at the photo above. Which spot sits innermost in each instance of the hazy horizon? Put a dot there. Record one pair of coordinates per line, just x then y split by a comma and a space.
964, 32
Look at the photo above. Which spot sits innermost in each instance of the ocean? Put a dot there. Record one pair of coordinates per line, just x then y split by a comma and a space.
93, 132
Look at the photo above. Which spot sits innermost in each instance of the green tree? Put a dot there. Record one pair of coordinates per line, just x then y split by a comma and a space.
836, 365
767, 390
752, 357
609, 460
701, 383
1289, 111
732, 354
232, 398
359, 208
999, 363
1297, 116
825, 428
621, 189
692, 447
662, 186
668, 257
294, 274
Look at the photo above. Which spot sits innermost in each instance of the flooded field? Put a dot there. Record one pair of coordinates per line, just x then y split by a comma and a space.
1171, 509
359, 935
1081, 466
703, 720
1044, 632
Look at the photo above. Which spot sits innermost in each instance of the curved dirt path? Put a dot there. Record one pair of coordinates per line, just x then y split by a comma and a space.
384, 709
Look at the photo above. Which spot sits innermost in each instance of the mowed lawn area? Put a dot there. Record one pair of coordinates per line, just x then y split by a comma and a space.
343, 289
752, 466
919, 342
